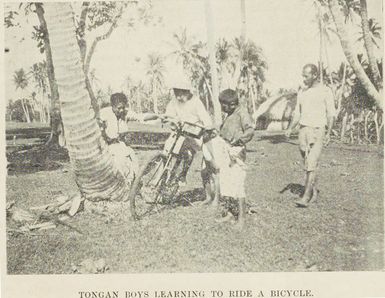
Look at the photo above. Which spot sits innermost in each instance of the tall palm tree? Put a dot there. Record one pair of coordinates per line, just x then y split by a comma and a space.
226, 64
21, 82
155, 68
212, 62
252, 67
39, 74
374, 32
194, 64
343, 79
348, 49
20, 79
95, 173
54, 114
243, 20
369, 45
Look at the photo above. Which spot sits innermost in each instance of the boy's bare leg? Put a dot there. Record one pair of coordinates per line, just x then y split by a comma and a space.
188, 157
214, 183
242, 212
226, 215
210, 180
304, 201
209, 192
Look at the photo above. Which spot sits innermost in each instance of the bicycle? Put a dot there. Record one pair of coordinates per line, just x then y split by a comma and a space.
157, 182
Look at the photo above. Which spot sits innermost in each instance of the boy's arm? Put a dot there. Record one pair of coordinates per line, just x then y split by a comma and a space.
247, 127
170, 110
203, 115
132, 116
110, 139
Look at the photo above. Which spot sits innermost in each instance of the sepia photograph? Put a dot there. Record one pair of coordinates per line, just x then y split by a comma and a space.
194, 136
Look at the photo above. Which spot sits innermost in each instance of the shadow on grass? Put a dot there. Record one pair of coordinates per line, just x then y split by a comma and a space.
187, 198
294, 188
36, 159
277, 139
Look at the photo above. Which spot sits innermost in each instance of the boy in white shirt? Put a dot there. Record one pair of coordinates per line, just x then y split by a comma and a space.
314, 110
113, 122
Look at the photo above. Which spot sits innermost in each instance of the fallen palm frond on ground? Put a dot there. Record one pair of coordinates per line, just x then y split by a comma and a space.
44, 217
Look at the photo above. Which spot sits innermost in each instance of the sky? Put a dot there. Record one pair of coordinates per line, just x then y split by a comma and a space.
285, 29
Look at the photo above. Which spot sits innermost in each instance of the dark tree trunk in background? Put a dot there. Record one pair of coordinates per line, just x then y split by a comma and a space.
56, 126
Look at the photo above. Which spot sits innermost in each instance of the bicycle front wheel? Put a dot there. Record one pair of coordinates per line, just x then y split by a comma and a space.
147, 189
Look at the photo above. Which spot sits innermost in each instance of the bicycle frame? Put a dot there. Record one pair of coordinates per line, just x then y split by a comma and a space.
167, 166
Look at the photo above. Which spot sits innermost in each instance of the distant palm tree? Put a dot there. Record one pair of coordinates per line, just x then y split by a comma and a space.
374, 31
226, 63
128, 87
39, 74
21, 81
350, 8
252, 69
195, 64
155, 68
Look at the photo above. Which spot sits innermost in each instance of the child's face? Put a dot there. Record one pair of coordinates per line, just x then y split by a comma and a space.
182, 95
229, 107
119, 109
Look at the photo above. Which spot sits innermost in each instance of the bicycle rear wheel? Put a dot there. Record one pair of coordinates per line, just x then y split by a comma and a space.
147, 189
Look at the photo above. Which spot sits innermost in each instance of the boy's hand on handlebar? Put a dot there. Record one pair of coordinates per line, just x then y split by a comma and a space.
237, 143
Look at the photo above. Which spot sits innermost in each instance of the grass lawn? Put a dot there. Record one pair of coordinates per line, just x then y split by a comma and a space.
343, 230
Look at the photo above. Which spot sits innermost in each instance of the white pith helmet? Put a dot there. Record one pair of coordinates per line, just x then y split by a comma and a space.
183, 84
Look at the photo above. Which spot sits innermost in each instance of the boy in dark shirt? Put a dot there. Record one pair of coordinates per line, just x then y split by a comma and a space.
237, 130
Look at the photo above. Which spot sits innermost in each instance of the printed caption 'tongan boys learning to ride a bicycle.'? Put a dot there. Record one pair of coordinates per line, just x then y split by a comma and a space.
198, 293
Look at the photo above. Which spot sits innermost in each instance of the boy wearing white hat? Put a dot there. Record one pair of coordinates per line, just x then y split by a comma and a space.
188, 108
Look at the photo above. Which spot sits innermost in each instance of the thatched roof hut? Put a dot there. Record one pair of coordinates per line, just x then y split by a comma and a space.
276, 112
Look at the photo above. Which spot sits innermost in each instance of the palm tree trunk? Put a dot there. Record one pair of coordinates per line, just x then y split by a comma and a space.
25, 110
321, 42
54, 91
343, 126
243, 20
95, 173
252, 98
378, 138
369, 45
213, 64
341, 92
138, 101
329, 69
366, 125
155, 102
350, 54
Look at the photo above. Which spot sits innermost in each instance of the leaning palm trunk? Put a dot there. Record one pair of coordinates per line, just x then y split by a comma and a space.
25, 110
343, 126
96, 175
369, 45
348, 49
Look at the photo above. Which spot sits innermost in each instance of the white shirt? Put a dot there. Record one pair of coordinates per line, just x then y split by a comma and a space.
114, 127
315, 105
192, 111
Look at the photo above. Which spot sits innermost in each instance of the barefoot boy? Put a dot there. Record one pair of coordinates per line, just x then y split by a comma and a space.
236, 131
314, 111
